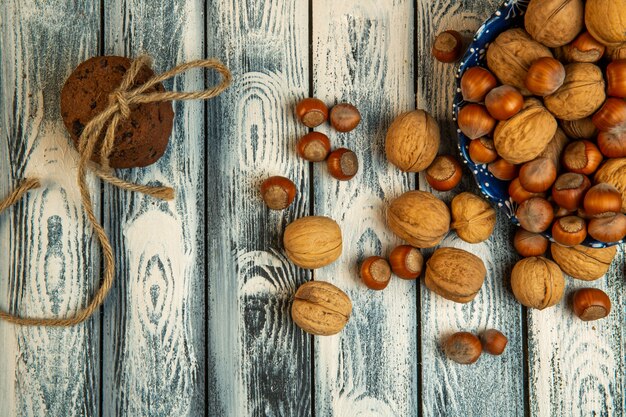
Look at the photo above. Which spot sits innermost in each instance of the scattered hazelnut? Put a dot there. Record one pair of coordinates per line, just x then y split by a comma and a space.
312, 112
320, 308
342, 164
602, 200
475, 121
519, 194
545, 76
503, 170
444, 173
504, 102
473, 218
616, 78
569, 189
313, 242
455, 274
406, 262
583, 262
537, 282
314, 147
476, 82
412, 141
537, 175
448, 46
569, 230
612, 115
529, 244
612, 145
482, 151
375, 273
493, 341
344, 117
463, 348
582, 157
278, 192
535, 214
608, 229
591, 304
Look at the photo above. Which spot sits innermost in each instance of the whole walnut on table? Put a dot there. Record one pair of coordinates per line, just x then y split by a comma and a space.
583, 262
455, 274
473, 218
537, 282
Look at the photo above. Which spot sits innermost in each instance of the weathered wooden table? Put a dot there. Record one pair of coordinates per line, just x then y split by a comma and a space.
198, 321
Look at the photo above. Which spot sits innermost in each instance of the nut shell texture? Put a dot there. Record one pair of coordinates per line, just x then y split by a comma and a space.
581, 94
554, 22
613, 172
320, 308
582, 262
313, 242
537, 282
473, 217
420, 218
527, 134
606, 20
455, 274
412, 141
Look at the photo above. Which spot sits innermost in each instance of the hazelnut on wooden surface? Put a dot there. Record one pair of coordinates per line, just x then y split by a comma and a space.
608, 229
455, 274
545, 76
344, 117
535, 214
375, 273
582, 157
605, 20
476, 82
321, 308
616, 78
463, 348
529, 244
585, 48
602, 200
313, 242
482, 150
537, 282
314, 147
448, 46
504, 102
473, 218
503, 170
312, 112
583, 262
510, 56
406, 262
569, 230
475, 121
554, 22
537, 175
613, 172
527, 134
581, 94
569, 190
278, 192
419, 218
519, 194
612, 115
412, 141
580, 128
444, 173
591, 304
493, 341
612, 145
343, 164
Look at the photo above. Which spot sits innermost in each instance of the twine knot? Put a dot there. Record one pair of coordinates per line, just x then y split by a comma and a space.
119, 104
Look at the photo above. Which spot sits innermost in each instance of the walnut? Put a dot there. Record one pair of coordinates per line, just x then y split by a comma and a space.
615, 52
320, 308
420, 218
581, 94
606, 20
554, 23
583, 262
555, 148
527, 134
455, 274
412, 141
537, 282
580, 128
510, 56
313, 242
613, 172
473, 218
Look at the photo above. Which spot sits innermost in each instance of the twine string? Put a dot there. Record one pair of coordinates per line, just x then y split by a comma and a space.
119, 108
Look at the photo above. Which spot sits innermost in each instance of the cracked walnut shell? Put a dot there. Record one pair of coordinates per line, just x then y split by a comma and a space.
455, 274
412, 141
473, 218
420, 218
537, 282
583, 262
320, 308
313, 242
581, 94
554, 23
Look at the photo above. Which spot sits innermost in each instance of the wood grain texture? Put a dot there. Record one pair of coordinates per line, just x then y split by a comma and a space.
154, 338
576, 367
258, 360
495, 385
363, 54
49, 264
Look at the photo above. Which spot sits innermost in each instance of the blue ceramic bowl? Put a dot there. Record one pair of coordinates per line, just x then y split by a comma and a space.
509, 15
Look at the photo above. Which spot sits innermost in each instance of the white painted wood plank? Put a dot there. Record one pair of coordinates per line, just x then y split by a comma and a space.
363, 54
577, 368
258, 360
48, 264
493, 386
153, 345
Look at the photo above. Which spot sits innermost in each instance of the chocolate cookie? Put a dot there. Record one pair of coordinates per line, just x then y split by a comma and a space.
139, 140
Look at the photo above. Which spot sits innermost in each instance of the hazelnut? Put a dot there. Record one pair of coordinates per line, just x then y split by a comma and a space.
475, 121
581, 95
527, 134
420, 218
455, 274
535, 214
582, 157
612, 115
448, 46
569, 189
493, 341
605, 20
602, 200
613, 172
482, 151
545, 76
344, 117
313, 242
406, 262
519, 194
583, 262
529, 244
537, 282
375, 273
314, 147
473, 218
412, 141
320, 308
342, 164
312, 112
569, 230
278, 192
612, 145
476, 82
463, 348
504, 102
591, 304
503, 170
616, 78
580, 128
585, 48
608, 229
537, 175
554, 22
510, 56
444, 173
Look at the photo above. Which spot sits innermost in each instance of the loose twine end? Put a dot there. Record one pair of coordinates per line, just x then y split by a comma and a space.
120, 102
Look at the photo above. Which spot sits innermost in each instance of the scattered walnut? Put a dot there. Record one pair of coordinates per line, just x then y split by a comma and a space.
320, 308
313, 242
455, 274
582, 262
473, 218
420, 218
537, 282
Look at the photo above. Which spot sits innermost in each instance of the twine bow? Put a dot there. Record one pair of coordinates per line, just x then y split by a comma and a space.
119, 108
